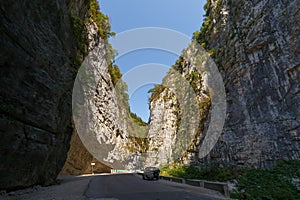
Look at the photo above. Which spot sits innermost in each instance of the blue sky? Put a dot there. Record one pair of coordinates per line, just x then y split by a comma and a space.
179, 15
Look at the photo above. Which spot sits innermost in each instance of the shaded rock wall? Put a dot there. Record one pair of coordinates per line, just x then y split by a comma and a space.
41, 48
79, 160
36, 86
256, 45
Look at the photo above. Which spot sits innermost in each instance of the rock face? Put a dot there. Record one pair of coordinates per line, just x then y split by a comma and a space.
101, 114
179, 111
163, 127
255, 45
40, 48
36, 89
79, 160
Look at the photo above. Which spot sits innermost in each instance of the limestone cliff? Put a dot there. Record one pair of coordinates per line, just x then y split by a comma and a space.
42, 44
179, 111
255, 45
89, 37
162, 132
36, 84
79, 160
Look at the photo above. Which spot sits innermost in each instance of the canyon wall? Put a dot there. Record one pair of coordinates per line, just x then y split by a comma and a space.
36, 89
42, 46
255, 45
179, 111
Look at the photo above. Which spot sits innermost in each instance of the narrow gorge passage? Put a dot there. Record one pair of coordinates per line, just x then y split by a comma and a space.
254, 44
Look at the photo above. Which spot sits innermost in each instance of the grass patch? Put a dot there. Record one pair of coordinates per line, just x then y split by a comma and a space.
212, 173
264, 184
258, 184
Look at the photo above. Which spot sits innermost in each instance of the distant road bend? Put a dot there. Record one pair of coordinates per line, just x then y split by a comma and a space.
133, 187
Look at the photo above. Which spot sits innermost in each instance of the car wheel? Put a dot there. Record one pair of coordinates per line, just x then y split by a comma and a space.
143, 177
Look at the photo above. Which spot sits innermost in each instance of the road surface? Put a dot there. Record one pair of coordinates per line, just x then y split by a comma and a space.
133, 187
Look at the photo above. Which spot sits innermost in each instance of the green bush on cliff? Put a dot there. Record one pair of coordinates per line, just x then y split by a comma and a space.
80, 34
115, 73
156, 91
199, 36
80, 31
207, 25
100, 19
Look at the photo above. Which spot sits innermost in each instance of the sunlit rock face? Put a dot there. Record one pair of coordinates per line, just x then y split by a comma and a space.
163, 126
79, 159
257, 47
254, 43
179, 113
101, 115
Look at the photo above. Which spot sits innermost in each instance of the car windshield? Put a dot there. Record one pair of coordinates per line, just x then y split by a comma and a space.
150, 168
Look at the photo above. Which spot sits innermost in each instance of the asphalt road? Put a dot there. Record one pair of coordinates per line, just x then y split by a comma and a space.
133, 187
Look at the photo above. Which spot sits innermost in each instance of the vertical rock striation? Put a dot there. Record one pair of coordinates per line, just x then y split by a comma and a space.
79, 158
42, 44
256, 47
179, 111
163, 125
36, 89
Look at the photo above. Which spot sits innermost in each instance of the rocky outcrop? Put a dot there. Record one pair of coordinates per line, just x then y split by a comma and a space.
254, 43
179, 110
36, 89
79, 160
102, 116
163, 127
256, 47
42, 45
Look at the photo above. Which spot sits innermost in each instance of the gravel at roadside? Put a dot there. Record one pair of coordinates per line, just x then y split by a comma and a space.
70, 187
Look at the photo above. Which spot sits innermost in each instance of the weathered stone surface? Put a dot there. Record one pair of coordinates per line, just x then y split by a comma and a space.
102, 116
257, 52
256, 48
36, 84
163, 126
178, 114
79, 160
256, 45
38, 69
